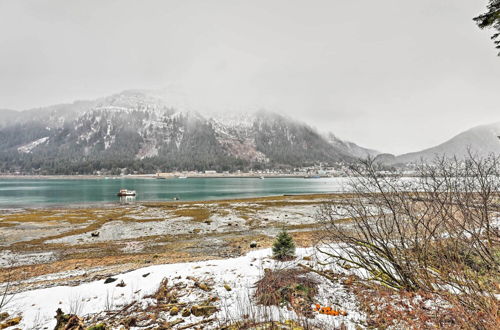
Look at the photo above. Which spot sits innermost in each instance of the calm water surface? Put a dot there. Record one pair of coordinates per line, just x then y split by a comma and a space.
20, 193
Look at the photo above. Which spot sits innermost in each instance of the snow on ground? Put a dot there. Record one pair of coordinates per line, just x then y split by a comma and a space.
38, 306
9, 258
27, 148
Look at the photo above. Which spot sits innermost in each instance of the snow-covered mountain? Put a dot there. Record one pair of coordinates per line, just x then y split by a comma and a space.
351, 148
140, 130
482, 140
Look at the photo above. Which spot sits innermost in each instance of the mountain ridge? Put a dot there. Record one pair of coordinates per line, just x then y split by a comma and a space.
139, 130
481, 140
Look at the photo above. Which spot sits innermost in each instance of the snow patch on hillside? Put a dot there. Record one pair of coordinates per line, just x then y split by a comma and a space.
27, 148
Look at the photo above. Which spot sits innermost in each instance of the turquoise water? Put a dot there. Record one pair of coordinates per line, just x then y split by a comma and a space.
22, 193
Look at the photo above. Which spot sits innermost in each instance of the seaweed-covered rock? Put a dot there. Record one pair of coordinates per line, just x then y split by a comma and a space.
203, 310
203, 286
186, 312
10, 322
174, 311
3, 316
68, 321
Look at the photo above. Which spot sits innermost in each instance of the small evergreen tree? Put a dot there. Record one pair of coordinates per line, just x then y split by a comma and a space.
283, 247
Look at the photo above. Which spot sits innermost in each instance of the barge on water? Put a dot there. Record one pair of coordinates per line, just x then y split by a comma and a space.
125, 192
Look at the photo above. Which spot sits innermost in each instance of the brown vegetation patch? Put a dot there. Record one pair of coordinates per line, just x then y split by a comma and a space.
386, 307
130, 261
166, 294
305, 238
196, 214
289, 286
242, 241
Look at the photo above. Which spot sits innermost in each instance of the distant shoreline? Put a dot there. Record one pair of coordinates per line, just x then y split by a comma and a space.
153, 176
72, 176
117, 204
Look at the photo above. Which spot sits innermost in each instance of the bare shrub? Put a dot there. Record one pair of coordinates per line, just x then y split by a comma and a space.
75, 305
109, 302
385, 307
6, 296
289, 286
435, 232
165, 293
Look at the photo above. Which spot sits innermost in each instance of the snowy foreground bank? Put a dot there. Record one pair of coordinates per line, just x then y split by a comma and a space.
232, 282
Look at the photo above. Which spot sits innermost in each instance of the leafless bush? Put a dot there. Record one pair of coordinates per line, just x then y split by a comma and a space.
288, 286
75, 305
386, 308
434, 232
37, 322
165, 293
109, 304
6, 295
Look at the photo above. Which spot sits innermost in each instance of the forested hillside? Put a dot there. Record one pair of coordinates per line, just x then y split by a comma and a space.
138, 131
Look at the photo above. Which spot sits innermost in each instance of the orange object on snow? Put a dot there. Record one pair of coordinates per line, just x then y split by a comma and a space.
328, 310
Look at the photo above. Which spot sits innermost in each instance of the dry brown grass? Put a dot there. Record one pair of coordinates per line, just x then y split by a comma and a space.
289, 286
196, 214
416, 310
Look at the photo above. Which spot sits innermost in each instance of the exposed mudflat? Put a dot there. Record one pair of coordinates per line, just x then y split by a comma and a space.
44, 247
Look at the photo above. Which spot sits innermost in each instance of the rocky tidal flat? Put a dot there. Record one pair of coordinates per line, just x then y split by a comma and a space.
80, 244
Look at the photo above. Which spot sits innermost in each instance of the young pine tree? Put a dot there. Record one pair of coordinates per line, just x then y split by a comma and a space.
283, 247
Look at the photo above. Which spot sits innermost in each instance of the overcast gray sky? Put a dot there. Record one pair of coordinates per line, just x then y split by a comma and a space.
394, 75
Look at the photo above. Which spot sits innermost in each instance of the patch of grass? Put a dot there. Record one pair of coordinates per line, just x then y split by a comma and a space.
197, 214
